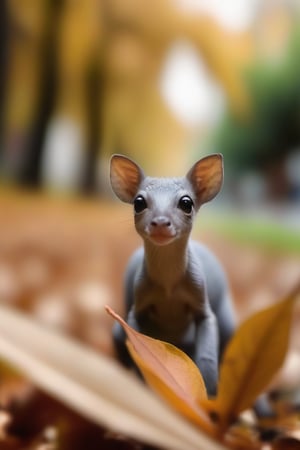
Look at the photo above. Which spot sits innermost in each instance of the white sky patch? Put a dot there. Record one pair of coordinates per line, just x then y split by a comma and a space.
63, 157
188, 88
234, 14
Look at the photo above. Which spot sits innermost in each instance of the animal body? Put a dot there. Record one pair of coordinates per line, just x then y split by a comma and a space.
175, 289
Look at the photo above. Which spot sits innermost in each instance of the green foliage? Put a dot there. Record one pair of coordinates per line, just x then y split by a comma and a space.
264, 233
272, 128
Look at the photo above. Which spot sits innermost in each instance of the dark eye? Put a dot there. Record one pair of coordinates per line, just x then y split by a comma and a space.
139, 204
186, 204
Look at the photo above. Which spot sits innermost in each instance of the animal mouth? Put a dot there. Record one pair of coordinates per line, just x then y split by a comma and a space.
162, 237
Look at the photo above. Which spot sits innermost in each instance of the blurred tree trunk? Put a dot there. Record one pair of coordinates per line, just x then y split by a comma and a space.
72, 129
26, 22
276, 175
3, 60
95, 87
30, 174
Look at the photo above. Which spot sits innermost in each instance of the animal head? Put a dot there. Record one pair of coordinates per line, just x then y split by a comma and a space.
164, 208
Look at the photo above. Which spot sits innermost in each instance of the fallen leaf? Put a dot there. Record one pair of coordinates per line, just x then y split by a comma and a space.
170, 372
253, 356
93, 385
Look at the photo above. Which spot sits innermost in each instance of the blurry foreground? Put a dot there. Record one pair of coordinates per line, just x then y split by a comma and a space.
61, 261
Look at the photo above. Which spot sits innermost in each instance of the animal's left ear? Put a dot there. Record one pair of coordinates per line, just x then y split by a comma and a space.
206, 177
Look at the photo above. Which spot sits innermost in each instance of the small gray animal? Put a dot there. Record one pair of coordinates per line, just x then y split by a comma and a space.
175, 288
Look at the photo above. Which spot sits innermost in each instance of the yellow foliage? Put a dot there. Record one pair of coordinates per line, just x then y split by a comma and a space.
255, 353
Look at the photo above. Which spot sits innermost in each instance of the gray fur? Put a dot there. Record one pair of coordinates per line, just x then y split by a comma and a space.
177, 291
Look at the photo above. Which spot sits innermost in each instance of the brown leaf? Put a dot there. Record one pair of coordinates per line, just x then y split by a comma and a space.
286, 443
170, 372
255, 353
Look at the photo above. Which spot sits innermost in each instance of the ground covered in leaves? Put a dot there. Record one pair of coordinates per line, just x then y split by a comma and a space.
61, 261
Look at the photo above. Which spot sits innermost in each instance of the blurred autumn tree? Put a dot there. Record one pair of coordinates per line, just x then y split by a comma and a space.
271, 132
81, 80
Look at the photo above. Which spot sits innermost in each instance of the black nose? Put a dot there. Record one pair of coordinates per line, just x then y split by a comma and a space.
161, 221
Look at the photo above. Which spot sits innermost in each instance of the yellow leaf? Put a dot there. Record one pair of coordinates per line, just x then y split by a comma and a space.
253, 356
168, 391
170, 372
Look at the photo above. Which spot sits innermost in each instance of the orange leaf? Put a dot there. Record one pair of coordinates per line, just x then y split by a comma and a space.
170, 372
253, 356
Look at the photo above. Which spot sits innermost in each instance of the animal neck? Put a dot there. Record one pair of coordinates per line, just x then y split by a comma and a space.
166, 264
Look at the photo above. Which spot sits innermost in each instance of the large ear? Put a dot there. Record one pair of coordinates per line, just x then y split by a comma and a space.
206, 177
125, 177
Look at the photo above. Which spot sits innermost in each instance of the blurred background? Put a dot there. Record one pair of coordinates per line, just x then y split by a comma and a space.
164, 82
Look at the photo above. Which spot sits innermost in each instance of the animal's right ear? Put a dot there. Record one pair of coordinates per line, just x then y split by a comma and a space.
125, 177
